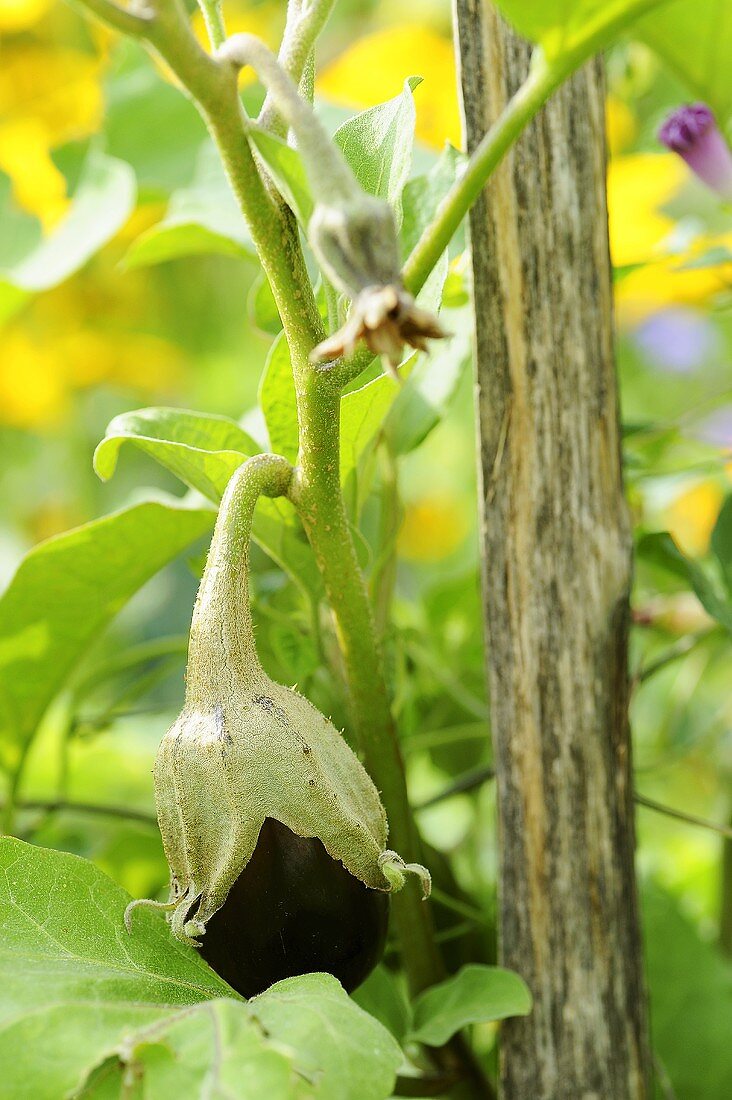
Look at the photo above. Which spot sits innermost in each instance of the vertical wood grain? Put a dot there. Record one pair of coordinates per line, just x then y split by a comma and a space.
557, 570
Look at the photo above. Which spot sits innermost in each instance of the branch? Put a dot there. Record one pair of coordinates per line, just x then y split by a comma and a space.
301, 32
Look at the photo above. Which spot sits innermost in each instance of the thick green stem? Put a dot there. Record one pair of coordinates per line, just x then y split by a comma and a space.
317, 493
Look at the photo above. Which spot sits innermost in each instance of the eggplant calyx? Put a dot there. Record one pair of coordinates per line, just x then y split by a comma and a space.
395, 870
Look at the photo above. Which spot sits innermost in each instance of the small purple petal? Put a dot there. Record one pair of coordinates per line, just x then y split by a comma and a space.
692, 132
677, 340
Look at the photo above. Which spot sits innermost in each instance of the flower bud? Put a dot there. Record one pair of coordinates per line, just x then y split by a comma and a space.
692, 132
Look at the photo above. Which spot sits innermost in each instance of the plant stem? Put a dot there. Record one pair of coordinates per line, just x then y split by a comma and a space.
213, 17
298, 42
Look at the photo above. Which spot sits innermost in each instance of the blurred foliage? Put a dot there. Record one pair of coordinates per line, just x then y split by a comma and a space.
194, 328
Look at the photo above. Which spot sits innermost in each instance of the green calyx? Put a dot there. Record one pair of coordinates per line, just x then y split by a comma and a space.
245, 748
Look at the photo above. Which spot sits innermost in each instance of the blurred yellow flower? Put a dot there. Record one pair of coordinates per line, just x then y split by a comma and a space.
620, 124
19, 15
432, 529
638, 185
47, 97
691, 517
657, 285
32, 387
375, 67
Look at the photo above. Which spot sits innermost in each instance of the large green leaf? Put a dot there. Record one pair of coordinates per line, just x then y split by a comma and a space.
332, 1036
202, 217
695, 41
203, 451
278, 402
561, 26
691, 1002
378, 144
79, 996
363, 412
475, 994
103, 201
66, 590
74, 983
423, 194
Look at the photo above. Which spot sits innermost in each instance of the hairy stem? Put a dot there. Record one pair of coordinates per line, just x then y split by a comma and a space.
304, 25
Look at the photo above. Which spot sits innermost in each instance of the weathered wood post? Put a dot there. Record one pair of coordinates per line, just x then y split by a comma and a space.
557, 553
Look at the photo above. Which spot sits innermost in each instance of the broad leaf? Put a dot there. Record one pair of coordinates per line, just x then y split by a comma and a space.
202, 450
214, 1050
423, 194
330, 1035
83, 1000
262, 307
661, 550
474, 995
288, 171
383, 997
562, 26
695, 41
428, 392
691, 1002
104, 199
203, 217
65, 592
73, 981
378, 145
278, 402
363, 412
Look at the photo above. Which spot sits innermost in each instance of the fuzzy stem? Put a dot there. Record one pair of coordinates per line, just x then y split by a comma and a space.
323, 161
304, 25
213, 17
222, 617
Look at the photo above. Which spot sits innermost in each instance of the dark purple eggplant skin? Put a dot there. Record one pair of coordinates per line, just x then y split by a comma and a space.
295, 910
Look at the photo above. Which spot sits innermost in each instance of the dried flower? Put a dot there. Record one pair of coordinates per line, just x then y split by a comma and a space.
693, 133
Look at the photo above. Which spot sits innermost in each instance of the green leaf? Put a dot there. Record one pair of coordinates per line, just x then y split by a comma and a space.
330, 1035
202, 450
73, 981
288, 172
721, 541
660, 549
561, 27
262, 307
691, 1001
103, 201
695, 41
378, 144
382, 997
363, 413
65, 592
474, 995
201, 218
277, 400
214, 1050
423, 194
428, 392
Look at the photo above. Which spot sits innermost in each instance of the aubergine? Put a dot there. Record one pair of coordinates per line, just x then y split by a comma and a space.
294, 910
274, 833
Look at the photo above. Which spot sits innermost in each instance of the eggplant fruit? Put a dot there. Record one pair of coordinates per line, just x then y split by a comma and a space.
294, 910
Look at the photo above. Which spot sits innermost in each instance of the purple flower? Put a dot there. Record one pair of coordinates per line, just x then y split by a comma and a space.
678, 340
692, 132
